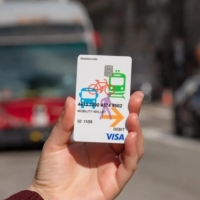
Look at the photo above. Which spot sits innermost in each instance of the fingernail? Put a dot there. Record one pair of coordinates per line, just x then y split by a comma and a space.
134, 134
67, 101
135, 116
141, 95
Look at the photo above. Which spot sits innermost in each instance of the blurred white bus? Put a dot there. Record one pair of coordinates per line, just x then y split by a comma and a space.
39, 45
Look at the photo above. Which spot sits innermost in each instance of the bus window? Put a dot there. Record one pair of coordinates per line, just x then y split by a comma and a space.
39, 29
46, 69
117, 81
87, 95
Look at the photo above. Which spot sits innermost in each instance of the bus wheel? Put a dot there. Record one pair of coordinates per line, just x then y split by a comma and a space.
92, 89
109, 89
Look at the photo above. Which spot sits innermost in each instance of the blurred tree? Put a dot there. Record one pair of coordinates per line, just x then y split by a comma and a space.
177, 40
155, 30
108, 20
96, 7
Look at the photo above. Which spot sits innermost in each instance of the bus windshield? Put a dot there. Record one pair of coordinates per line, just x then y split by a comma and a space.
42, 70
87, 95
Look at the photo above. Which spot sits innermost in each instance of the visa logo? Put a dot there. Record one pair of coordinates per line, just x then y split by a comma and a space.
113, 136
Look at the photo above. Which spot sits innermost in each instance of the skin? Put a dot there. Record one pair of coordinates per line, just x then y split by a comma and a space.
87, 171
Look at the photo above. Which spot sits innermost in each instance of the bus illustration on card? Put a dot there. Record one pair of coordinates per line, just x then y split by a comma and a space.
102, 95
88, 97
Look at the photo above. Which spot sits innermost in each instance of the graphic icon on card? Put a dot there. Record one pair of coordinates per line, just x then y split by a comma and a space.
116, 116
87, 99
106, 101
101, 86
118, 82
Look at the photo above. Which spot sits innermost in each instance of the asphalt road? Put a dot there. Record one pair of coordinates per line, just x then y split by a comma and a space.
169, 169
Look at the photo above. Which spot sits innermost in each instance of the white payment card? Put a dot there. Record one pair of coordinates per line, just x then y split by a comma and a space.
102, 96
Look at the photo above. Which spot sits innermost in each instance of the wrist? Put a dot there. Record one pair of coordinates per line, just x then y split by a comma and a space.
41, 191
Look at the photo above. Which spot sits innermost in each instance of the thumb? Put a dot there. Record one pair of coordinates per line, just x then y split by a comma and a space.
61, 132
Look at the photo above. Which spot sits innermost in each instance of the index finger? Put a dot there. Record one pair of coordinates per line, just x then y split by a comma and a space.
135, 102
134, 106
62, 130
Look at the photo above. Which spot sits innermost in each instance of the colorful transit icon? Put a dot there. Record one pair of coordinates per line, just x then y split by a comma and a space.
86, 98
118, 84
101, 86
106, 101
118, 117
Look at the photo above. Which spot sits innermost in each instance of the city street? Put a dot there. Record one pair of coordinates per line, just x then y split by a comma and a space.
169, 169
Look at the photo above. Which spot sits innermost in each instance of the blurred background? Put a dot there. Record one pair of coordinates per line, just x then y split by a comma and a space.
39, 45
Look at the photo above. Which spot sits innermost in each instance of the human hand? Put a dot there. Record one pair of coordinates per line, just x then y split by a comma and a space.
87, 171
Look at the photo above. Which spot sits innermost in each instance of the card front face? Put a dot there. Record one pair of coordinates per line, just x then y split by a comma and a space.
102, 96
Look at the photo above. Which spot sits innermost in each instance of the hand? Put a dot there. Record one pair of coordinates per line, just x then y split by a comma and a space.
87, 171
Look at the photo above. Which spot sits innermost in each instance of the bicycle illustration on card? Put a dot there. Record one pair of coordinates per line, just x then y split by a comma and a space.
101, 86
